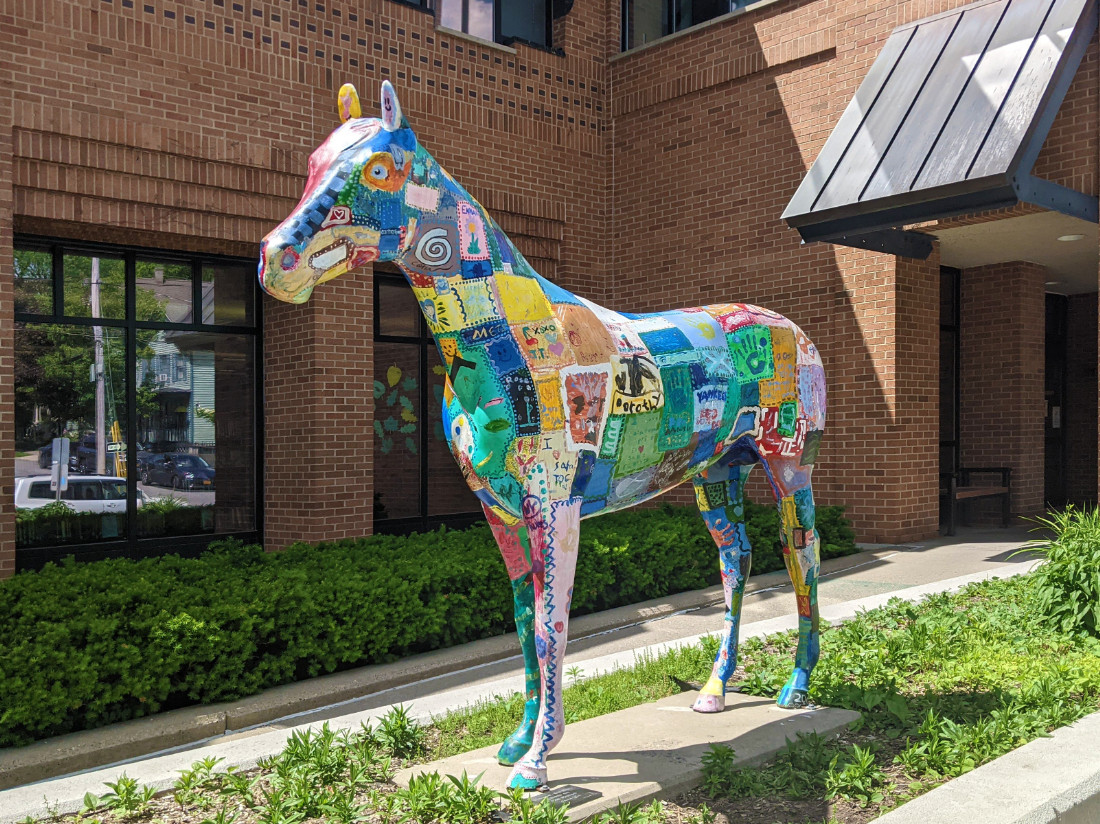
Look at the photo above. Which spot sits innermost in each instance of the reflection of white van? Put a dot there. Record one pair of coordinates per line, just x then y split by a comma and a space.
88, 493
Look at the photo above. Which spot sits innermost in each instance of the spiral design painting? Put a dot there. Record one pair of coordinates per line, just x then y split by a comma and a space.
434, 249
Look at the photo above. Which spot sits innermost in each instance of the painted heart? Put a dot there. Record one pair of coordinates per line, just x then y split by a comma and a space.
556, 348
560, 626
641, 449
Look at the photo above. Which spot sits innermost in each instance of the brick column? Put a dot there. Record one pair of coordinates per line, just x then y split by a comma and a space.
318, 414
7, 340
913, 482
1001, 405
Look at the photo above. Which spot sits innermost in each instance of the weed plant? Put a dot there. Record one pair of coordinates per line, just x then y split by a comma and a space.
1068, 583
941, 687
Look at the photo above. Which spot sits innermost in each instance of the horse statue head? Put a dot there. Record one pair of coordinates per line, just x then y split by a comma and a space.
353, 210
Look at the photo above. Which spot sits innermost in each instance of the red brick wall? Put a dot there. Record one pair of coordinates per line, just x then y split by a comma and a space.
319, 402
1080, 400
1001, 405
7, 332
188, 126
713, 133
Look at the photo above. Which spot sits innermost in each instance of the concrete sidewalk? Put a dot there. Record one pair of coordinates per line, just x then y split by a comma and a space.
649, 751
450, 679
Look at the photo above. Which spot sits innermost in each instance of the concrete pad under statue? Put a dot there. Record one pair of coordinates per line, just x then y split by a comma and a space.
648, 751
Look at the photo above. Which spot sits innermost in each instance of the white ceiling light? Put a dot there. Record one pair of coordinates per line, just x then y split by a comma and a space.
1068, 238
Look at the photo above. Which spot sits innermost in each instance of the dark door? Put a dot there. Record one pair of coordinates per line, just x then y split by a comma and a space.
1055, 388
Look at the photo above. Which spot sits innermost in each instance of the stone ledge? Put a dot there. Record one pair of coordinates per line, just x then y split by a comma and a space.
1055, 779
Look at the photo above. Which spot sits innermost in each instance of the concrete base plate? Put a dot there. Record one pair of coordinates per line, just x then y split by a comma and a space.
648, 751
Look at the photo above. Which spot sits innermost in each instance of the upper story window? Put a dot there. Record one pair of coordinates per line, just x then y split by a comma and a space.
500, 21
647, 20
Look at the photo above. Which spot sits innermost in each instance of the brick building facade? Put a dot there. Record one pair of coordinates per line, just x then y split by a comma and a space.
644, 179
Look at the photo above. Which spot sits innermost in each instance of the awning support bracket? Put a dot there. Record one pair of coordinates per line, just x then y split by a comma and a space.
1057, 198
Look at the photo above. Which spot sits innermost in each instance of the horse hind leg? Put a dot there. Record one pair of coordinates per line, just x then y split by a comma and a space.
515, 548
719, 493
802, 556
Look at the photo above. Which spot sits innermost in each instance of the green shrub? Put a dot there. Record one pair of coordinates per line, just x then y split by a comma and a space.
82, 645
1068, 584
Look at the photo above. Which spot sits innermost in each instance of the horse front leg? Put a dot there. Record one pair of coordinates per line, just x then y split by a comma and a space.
515, 548
719, 493
554, 530
802, 556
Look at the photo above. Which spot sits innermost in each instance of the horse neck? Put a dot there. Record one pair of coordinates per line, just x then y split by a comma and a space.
499, 245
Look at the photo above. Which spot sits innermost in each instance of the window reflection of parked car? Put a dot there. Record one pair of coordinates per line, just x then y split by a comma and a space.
82, 455
95, 493
179, 472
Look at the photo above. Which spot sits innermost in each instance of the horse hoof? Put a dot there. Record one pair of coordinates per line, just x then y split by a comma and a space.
709, 703
512, 750
793, 699
527, 778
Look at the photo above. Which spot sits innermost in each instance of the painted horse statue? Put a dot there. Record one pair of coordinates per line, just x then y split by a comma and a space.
556, 408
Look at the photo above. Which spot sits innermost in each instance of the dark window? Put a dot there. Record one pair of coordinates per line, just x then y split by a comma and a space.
417, 484
644, 21
501, 21
111, 354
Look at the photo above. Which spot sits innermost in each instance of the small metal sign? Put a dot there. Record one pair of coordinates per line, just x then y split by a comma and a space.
570, 795
59, 467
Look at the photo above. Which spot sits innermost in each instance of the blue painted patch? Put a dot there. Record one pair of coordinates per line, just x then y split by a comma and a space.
745, 423
665, 341
592, 507
389, 212
804, 507
586, 461
742, 453
389, 243
556, 294
704, 450
750, 394
504, 248
599, 481
699, 377
504, 354
474, 269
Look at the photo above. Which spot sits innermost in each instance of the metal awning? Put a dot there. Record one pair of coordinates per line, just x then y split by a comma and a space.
949, 120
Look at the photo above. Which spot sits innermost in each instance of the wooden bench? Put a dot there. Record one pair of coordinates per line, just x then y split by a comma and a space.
961, 487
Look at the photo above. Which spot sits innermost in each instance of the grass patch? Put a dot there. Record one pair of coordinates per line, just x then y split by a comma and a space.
943, 686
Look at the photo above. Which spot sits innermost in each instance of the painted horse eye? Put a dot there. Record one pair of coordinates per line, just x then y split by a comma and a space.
378, 172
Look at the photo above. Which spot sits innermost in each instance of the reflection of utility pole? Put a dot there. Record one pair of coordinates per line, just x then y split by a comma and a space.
100, 389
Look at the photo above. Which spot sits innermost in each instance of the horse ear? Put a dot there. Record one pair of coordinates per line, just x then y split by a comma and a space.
391, 108
348, 103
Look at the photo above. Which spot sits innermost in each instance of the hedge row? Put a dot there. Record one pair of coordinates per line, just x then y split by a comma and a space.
82, 645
